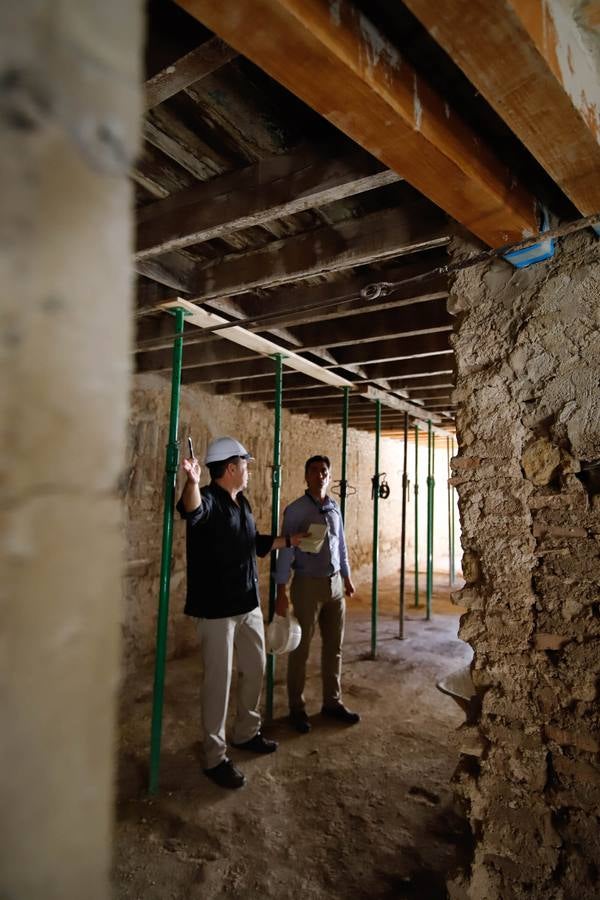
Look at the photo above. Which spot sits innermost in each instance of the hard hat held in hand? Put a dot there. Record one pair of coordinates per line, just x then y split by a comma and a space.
224, 448
283, 635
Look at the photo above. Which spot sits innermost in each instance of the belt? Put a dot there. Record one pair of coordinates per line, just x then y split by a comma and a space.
303, 575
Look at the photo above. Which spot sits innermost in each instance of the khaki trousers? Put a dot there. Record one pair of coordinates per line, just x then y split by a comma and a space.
317, 600
219, 639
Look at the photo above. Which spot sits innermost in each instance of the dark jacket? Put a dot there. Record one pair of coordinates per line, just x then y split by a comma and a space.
222, 544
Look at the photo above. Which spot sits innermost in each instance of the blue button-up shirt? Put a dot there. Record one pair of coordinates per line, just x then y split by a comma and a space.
333, 555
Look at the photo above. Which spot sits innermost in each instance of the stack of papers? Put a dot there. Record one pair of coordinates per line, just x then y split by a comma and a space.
316, 538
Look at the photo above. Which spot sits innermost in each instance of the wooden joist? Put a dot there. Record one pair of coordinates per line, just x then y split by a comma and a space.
421, 329
377, 236
529, 61
338, 62
196, 64
269, 189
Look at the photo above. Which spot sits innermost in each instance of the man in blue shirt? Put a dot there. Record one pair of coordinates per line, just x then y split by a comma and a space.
317, 594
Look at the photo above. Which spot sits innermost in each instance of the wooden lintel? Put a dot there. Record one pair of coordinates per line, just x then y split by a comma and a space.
339, 63
529, 61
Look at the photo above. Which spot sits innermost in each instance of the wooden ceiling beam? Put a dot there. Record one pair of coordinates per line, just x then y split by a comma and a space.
408, 321
339, 63
402, 346
287, 301
270, 189
530, 63
390, 233
262, 368
381, 235
416, 331
195, 65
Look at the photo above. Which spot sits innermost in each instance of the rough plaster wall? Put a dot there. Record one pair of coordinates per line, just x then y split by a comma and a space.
528, 346
69, 113
204, 417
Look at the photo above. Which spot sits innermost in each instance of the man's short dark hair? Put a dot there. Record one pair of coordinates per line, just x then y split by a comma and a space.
217, 469
316, 459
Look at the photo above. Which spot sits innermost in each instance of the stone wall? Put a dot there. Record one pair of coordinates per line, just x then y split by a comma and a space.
69, 122
528, 350
205, 416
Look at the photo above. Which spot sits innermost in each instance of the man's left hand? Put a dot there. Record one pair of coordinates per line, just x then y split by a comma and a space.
349, 588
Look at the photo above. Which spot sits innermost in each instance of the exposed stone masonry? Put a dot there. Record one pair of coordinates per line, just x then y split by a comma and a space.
528, 346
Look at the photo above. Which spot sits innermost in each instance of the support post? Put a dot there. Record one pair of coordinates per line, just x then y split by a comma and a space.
450, 551
275, 498
430, 488
171, 464
452, 533
416, 489
403, 533
343, 479
374, 584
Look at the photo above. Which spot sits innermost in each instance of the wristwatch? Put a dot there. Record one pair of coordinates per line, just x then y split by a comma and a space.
288, 541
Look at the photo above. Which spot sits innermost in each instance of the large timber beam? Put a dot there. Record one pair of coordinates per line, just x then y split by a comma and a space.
269, 189
337, 61
529, 61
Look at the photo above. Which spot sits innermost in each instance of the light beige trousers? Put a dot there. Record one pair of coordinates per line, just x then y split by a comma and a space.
317, 600
219, 640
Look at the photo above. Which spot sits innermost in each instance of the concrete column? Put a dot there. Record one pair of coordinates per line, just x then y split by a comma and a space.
69, 121
528, 428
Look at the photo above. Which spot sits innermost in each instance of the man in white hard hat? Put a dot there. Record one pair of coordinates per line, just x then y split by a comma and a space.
320, 581
222, 593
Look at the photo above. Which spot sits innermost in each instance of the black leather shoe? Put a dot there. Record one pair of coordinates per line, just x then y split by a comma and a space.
226, 775
299, 721
340, 713
258, 744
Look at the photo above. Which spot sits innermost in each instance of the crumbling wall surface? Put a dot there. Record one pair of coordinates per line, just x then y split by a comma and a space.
528, 351
69, 122
205, 416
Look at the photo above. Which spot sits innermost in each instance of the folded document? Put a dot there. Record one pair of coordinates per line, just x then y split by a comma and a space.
316, 538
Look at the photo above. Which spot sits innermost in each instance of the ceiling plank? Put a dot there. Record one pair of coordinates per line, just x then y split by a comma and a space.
338, 62
269, 189
530, 63
187, 70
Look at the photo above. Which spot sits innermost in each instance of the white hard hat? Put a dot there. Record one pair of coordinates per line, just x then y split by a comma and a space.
283, 634
223, 448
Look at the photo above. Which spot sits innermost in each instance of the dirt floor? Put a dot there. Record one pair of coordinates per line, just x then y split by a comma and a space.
364, 811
